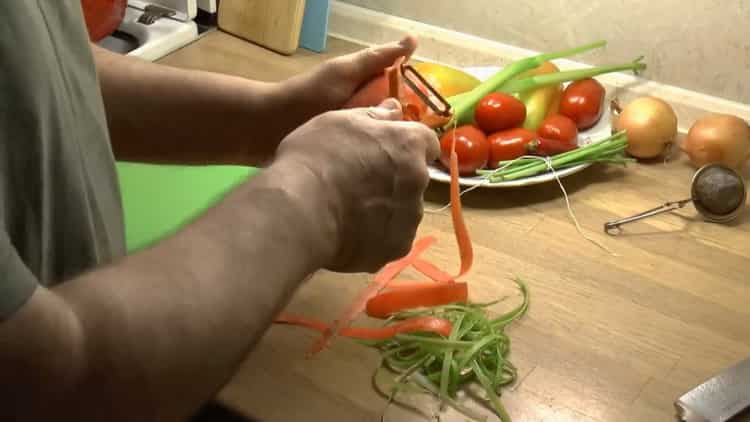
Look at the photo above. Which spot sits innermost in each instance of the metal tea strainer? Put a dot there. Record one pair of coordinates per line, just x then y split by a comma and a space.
717, 192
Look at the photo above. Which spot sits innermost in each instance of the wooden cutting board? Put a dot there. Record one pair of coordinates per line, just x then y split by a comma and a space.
274, 24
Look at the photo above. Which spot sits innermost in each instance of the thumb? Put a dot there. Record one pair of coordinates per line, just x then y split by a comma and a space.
389, 109
370, 62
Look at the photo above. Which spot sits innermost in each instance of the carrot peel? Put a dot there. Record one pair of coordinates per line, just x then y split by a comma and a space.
428, 294
435, 325
387, 274
459, 226
430, 270
393, 75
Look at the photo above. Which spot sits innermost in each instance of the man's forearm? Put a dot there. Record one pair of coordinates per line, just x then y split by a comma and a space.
158, 113
163, 330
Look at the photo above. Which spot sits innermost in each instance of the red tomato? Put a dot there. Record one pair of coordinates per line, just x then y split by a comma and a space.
559, 127
498, 111
582, 101
103, 17
508, 144
472, 148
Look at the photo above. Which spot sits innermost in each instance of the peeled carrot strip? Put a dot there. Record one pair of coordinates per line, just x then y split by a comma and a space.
419, 324
430, 270
381, 280
459, 226
405, 285
393, 74
428, 294
435, 121
394, 268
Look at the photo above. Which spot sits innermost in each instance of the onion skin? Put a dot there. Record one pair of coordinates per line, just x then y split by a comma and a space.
718, 138
651, 126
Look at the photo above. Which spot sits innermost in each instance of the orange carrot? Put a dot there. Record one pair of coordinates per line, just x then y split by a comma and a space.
435, 325
393, 74
405, 284
418, 324
459, 226
426, 294
394, 268
433, 120
430, 270
387, 274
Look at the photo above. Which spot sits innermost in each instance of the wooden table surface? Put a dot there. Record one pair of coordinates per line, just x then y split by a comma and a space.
608, 337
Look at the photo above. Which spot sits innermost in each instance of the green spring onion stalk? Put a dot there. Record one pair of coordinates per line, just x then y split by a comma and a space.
517, 86
484, 379
464, 107
425, 383
448, 357
533, 82
476, 352
609, 150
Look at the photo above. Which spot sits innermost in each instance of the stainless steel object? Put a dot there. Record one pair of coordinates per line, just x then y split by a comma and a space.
720, 398
717, 192
152, 13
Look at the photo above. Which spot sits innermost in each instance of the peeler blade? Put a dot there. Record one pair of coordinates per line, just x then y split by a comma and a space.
432, 97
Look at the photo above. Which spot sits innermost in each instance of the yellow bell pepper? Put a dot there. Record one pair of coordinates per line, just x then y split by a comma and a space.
446, 80
543, 101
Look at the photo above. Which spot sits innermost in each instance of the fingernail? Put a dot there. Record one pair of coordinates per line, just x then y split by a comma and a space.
407, 41
390, 104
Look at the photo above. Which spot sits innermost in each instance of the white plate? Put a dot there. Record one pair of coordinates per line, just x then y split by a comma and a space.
600, 131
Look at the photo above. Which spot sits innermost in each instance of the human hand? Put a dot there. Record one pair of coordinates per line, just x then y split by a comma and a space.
332, 84
371, 172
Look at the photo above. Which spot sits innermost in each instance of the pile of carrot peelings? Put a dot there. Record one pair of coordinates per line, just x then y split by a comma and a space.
433, 339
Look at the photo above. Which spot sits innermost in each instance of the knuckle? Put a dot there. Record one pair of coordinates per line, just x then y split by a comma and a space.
347, 119
420, 173
422, 135
330, 116
416, 174
422, 131
399, 250
423, 174
368, 53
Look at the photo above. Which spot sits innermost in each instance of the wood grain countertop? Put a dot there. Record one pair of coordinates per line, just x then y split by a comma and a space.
608, 337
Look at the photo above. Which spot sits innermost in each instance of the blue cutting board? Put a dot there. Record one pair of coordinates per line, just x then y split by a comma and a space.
315, 25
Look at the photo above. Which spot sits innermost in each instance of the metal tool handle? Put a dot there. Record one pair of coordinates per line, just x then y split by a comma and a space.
613, 227
153, 13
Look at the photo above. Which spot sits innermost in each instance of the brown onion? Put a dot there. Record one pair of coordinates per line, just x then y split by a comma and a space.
650, 124
718, 138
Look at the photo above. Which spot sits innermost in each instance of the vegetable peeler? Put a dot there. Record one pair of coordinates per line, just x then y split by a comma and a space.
432, 98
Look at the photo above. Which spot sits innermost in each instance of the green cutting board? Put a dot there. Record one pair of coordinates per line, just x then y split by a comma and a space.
160, 199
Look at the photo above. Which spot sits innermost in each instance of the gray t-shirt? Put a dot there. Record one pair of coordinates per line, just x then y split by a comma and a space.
60, 209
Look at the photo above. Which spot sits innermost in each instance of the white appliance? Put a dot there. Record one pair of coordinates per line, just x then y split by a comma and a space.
153, 29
